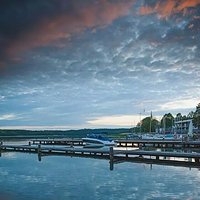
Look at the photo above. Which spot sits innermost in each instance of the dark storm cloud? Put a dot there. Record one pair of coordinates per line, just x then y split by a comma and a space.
30, 24
18, 17
27, 25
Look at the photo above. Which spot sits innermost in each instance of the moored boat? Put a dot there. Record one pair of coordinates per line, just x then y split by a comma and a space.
98, 140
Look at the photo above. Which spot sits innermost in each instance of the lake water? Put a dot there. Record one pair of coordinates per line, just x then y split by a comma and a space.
23, 177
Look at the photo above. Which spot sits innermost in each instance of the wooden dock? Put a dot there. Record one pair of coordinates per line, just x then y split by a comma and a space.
125, 143
114, 155
64, 142
158, 143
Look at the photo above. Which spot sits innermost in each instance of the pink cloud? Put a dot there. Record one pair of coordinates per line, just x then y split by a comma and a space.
167, 8
65, 25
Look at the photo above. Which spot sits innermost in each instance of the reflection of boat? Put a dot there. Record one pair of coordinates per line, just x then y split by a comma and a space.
88, 145
94, 140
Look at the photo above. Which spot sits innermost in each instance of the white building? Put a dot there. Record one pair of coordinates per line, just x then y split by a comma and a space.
183, 127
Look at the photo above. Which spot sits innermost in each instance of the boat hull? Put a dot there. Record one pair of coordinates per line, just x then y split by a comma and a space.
93, 141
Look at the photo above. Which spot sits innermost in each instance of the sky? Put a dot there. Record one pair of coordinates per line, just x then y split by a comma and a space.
70, 64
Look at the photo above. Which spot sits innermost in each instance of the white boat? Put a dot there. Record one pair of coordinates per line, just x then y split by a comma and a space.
148, 137
94, 140
158, 137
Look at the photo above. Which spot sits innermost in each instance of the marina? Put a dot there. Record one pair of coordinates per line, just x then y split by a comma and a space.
99, 100
114, 154
125, 143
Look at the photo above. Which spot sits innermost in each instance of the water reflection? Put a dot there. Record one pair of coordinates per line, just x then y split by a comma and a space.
22, 177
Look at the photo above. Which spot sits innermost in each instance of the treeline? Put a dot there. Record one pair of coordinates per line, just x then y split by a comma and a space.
151, 124
59, 133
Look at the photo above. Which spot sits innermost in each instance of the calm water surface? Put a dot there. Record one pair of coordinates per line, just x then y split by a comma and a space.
23, 177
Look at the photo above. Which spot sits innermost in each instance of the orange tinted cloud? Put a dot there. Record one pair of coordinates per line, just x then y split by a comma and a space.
187, 4
64, 25
166, 8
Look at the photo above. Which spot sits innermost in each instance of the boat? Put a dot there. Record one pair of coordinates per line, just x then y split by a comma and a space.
96, 140
169, 136
158, 137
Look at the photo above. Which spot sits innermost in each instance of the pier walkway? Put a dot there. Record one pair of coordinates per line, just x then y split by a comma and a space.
158, 143
114, 155
125, 143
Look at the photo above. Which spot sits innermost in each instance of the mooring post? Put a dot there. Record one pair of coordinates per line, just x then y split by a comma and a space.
39, 152
111, 158
39, 157
1, 143
39, 148
157, 157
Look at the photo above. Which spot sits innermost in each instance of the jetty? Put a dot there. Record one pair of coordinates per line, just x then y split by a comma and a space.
114, 155
65, 142
125, 143
158, 143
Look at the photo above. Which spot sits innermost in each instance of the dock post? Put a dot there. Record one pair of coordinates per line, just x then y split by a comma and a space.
39, 152
39, 148
157, 157
1, 143
111, 159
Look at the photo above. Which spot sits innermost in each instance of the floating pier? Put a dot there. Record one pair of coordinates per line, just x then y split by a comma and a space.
158, 143
65, 142
112, 154
125, 143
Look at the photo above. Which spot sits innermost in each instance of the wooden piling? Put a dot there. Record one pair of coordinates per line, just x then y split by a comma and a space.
39, 157
39, 148
151, 166
39, 152
111, 158
1, 143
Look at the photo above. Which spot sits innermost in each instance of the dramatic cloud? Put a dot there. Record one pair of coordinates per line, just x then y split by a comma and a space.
166, 8
65, 24
95, 63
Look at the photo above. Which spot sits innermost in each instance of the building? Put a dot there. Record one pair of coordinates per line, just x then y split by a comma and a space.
183, 127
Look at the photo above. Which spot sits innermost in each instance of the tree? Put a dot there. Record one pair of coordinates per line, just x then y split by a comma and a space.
196, 117
167, 121
178, 117
190, 115
135, 129
148, 122
184, 117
